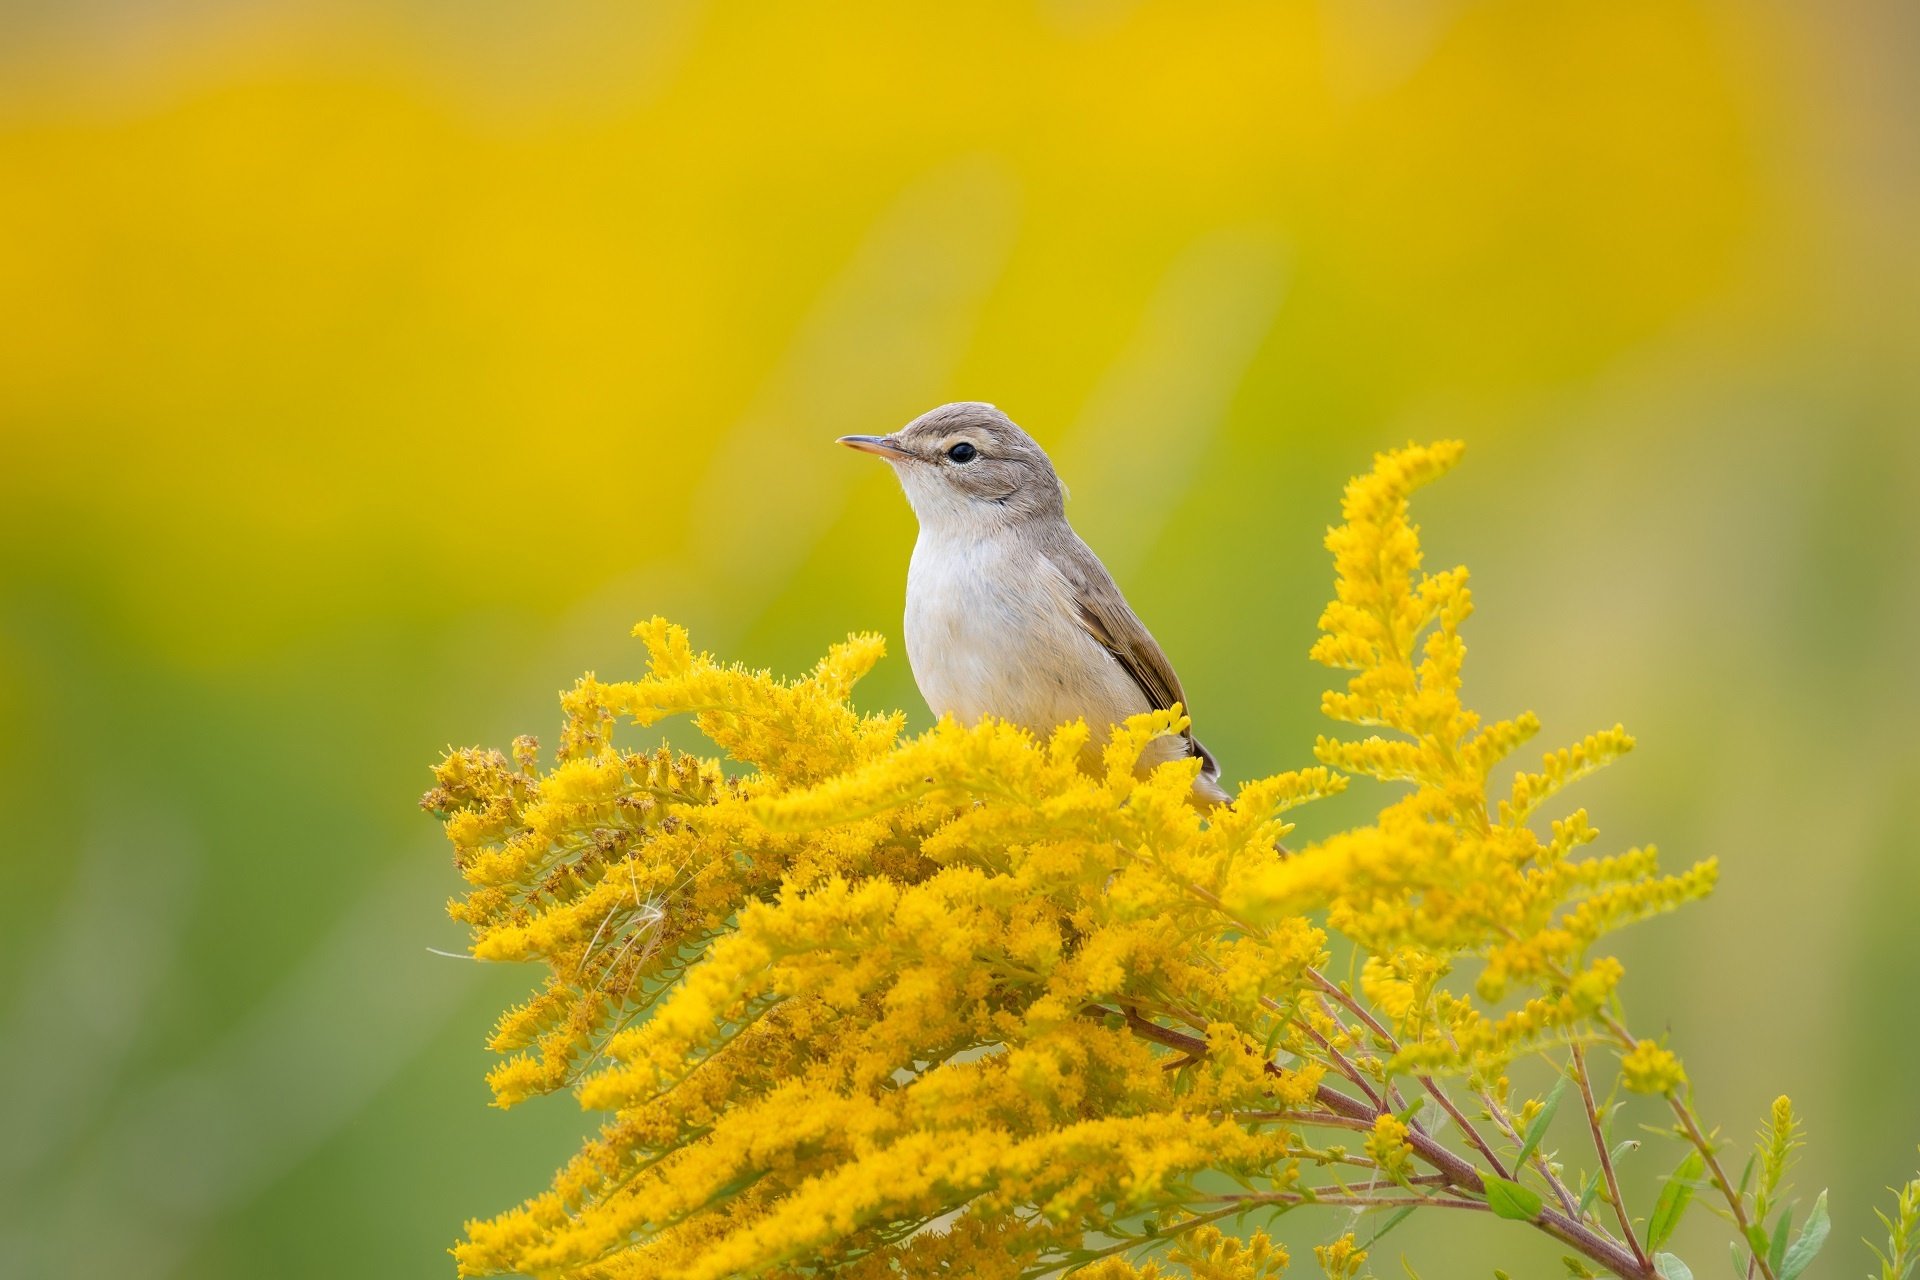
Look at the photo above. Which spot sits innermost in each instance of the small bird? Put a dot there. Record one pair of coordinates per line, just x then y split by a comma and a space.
1009, 613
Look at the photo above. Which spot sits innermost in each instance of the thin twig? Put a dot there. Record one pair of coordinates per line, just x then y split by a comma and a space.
1346, 1066
1606, 1159
1495, 1111
1499, 1116
1734, 1199
1352, 1201
1310, 1119
1393, 1097
1690, 1126
1570, 1231
1428, 1083
1459, 1173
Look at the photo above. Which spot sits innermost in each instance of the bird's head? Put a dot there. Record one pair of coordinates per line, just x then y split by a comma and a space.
967, 465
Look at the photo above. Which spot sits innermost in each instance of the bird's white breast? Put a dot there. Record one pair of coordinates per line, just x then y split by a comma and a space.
992, 629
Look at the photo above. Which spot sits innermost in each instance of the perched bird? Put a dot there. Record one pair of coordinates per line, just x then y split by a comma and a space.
1009, 613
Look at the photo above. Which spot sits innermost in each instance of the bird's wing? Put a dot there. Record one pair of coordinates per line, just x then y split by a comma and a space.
1104, 612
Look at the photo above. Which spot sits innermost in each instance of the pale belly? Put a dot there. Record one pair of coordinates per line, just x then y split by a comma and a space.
987, 636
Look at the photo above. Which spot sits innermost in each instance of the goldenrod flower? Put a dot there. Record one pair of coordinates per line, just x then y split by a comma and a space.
1388, 1147
1778, 1142
1647, 1068
957, 1003
1341, 1259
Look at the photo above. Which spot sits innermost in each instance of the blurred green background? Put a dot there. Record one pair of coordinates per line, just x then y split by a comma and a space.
367, 369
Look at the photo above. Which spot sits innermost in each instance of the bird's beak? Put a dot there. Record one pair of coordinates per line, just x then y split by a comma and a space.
884, 446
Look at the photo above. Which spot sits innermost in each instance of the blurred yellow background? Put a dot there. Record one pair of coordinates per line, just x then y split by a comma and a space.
367, 369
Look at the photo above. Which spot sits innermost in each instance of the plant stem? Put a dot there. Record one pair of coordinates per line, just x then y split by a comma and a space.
1346, 1066
1575, 1235
1353, 1201
1392, 1096
1588, 1241
1434, 1091
1500, 1117
1606, 1158
1735, 1201
1690, 1126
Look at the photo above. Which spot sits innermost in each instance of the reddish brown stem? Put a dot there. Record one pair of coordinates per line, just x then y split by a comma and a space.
1574, 1235
1434, 1091
1458, 1172
1690, 1126
1606, 1158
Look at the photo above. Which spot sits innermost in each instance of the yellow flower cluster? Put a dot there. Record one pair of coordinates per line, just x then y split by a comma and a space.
1387, 1146
1647, 1068
957, 1004
874, 981
1203, 1253
1443, 874
1341, 1259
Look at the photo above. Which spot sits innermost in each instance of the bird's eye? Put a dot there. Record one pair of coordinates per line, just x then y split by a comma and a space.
962, 452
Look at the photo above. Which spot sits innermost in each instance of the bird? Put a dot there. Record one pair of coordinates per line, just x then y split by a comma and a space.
1008, 613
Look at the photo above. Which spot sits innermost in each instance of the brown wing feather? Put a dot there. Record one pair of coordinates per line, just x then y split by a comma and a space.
1110, 622
1104, 612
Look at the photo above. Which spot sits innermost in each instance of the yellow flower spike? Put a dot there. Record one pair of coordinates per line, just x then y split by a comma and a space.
1569, 833
1068, 743
669, 651
1121, 756
889, 783
1559, 768
846, 663
1498, 741
1778, 1142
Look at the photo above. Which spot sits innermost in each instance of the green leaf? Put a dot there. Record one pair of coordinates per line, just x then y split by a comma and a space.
1399, 1217
1674, 1199
1671, 1267
1812, 1236
1757, 1239
1511, 1200
1273, 1036
1538, 1129
1588, 1190
1777, 1247
1739, 1263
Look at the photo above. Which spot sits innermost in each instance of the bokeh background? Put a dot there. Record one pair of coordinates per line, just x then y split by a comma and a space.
367, 368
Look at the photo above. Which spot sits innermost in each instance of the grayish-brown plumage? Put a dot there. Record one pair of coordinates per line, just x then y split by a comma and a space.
1009, 613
